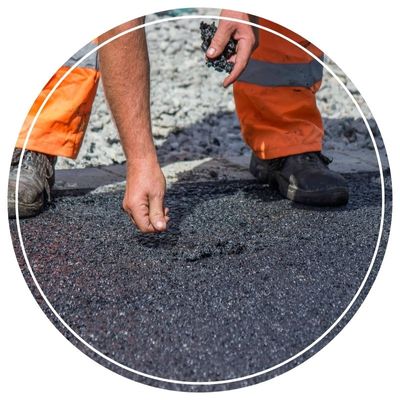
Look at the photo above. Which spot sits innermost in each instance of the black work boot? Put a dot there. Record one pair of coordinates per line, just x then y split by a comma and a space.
304, 178
35, 181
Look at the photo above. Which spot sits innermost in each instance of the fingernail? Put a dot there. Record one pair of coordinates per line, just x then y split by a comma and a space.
211, 51
160, 225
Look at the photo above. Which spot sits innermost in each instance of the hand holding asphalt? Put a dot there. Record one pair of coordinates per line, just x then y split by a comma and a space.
242, 34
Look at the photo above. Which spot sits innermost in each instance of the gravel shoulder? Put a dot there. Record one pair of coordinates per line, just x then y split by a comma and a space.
193, 116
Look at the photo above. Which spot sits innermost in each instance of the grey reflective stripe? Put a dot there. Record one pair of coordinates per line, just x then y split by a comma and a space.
273, 74
89, 62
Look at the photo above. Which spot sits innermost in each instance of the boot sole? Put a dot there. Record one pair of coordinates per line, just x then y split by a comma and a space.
332, 197
25, 210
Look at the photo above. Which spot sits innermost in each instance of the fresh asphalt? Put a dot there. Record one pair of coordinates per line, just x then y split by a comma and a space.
243, 279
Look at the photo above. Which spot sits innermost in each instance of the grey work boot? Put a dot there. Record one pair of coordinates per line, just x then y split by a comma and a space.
303, 178
35, 181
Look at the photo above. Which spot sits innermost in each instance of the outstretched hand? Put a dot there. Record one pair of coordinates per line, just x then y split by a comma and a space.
246, 42
144, 197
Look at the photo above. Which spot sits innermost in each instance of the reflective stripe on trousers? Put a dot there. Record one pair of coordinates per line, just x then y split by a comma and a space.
275, 96
91, 61
264, 73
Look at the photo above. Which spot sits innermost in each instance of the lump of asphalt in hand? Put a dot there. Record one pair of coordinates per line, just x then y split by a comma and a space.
220, 63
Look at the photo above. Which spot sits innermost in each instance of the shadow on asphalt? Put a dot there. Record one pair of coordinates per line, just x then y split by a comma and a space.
218, 135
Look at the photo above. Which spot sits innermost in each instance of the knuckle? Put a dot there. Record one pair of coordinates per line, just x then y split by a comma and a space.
228, 25
159, 194
130, 206
220, 38
140, 208
216, 42
126, 206
136, 204
142, 227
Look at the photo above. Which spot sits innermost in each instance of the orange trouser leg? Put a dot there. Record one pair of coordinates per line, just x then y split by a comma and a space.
275, 96
61, 125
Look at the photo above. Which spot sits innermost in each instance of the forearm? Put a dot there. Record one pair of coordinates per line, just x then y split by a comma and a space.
124, 66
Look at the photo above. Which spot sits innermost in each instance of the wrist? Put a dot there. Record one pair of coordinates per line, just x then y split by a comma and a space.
143, 161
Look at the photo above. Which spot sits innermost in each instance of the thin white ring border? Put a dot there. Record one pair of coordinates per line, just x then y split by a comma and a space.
233, 380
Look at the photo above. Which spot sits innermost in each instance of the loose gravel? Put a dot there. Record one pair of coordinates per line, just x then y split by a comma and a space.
193, 116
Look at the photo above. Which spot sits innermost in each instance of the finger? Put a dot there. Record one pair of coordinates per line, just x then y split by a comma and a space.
166, 216
140, 215
132, 219
156, 213
232, 58
243, 53
126, 210
220, 39
143, 229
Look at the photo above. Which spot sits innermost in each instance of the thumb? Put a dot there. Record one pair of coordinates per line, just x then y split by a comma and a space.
156, 213
219, 41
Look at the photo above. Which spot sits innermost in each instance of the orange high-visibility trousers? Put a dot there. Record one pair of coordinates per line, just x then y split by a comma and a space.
61, 125
275, 101
275, 96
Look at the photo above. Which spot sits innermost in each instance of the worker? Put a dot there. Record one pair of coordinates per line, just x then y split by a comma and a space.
274, 85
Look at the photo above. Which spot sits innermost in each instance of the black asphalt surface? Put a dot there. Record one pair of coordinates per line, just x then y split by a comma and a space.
242, 281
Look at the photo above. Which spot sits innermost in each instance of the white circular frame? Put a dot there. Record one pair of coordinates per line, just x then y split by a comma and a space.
226, 381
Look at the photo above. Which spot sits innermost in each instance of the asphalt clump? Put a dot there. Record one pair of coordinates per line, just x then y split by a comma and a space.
220, 63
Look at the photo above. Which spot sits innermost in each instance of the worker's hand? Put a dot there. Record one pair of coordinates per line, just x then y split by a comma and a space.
246, 37
144, 196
